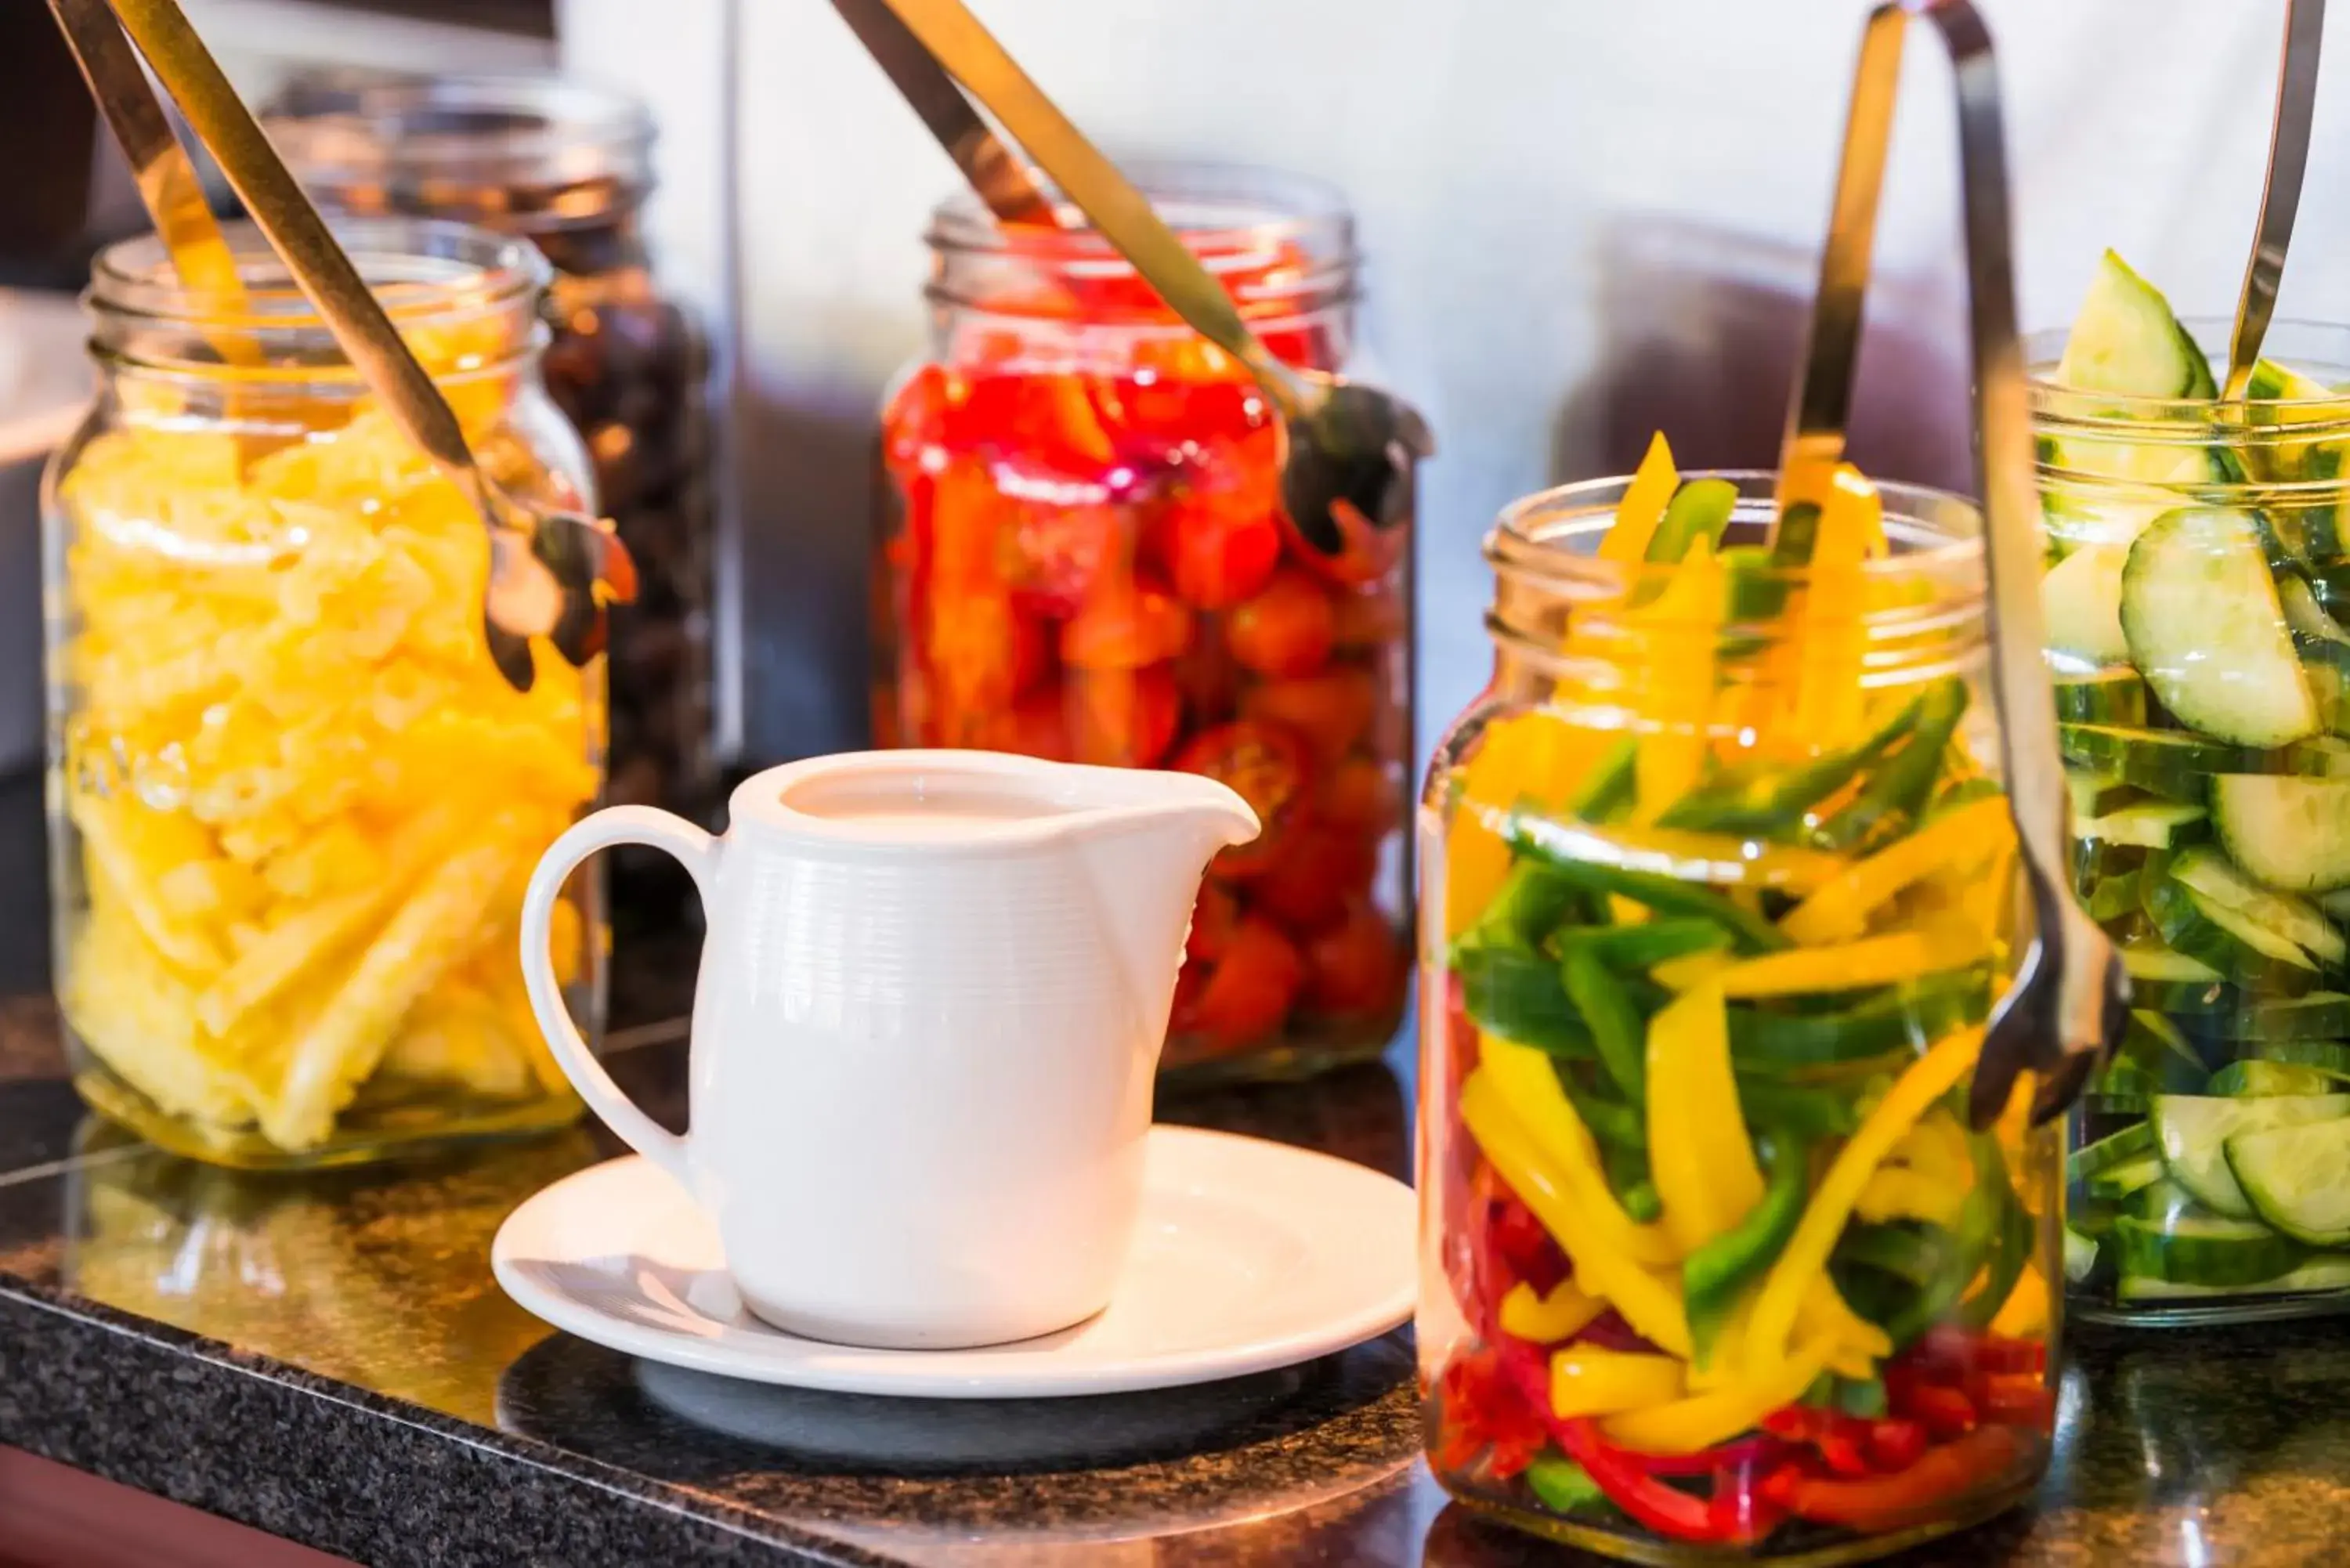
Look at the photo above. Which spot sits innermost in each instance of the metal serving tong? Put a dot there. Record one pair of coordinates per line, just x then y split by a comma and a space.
1002, 180
1348, 450
551, 573
2296, 101
2069, 1000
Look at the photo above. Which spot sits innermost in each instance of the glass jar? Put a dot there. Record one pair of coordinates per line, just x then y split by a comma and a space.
569, 167
292, 805
1710, 827
1084, 556
2203, 738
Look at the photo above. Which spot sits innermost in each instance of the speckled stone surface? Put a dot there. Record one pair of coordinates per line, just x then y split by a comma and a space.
326, 1357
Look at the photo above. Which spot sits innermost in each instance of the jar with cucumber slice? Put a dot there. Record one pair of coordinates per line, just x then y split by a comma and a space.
1718, 888
2197, 602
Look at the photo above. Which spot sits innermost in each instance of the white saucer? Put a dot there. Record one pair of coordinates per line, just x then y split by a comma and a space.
1249, 1255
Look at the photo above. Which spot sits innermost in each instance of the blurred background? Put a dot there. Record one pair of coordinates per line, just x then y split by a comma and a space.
1582, 221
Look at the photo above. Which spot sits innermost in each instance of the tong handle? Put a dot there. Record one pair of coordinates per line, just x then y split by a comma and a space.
2296, 109
285, 215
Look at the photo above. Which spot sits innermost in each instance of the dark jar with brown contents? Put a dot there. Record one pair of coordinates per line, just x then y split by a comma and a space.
569, 167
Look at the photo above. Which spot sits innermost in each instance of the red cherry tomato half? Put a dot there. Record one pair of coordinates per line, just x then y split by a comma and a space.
1367, 552
1044, 419
1218, 550
1357, 966
1363, 794
1123, 718
1269, 768
1331, 710
1248, 992
1215, 917
1210, 681
1126, 624
1054, 558
1369, 616
1286, 629
1315, 873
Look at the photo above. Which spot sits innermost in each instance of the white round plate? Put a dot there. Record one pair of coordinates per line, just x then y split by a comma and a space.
1249, 1255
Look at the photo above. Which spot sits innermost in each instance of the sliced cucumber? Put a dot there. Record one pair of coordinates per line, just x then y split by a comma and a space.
2123, 1179
2298, 1179
2305, 615
2194, 1251
2165, 1202
2173, 982
2104, 696
2127, 340
2081, 599
2094, 794
2248, 953
2255, 1078
2080, 1255
2329, 1057
2157, 1044
2321, 1273
2132, 1143
2176, 763
2115, 897
2290, 834
2319, 1015
2155, 825
2199, 611
2299, 921
2192, 1131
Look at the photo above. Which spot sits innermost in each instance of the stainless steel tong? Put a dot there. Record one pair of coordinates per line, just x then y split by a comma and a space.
2296, 107
2069, 1000
552, 573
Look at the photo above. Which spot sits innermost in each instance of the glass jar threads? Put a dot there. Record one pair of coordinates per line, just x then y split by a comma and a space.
1718, 888
1084, 557
293, 803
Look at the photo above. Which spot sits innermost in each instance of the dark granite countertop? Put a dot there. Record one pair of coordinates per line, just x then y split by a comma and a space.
326, 1358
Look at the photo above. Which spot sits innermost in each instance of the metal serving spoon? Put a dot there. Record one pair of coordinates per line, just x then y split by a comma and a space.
1348, 450
1001, 180
551, 573
2069, 1001
2296, 100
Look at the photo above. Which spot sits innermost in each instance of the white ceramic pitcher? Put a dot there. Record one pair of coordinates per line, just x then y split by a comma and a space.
930, 1009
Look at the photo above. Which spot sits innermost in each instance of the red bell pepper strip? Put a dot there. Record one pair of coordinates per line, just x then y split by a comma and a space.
1896, 1444
2018, 1399
1942, 1476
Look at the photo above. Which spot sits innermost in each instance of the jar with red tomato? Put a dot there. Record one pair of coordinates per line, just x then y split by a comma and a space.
1084, 557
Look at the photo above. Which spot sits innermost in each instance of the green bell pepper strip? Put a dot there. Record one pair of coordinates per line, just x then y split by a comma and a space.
1803, 1110
1700, 506
1749, 933
1911, 1251
1905, 1016
1565, 1487
1981, 1218
1607, 791
2010, 1252
1642, 945
1898, 791
1528, 905
1713, 1275
1773, 802
1614, 1024
1516, 993
1862, 1396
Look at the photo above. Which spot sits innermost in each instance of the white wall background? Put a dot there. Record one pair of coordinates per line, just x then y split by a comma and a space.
1584, 217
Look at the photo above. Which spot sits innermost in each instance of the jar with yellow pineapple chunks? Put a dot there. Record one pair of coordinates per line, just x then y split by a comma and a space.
292, 804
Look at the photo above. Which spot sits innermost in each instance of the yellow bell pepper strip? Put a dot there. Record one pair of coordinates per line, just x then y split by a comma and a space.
1832, 637
1898, 1192
1679, 633
1697, 969
1839, 909
1643, 505
1652, 1306
1522, 1078
1699, 1152
1826, 1312
1545, 1320
1529, 758
1585, 1380
1701, 1421
2024, 1315
1926, 1081
1887, 959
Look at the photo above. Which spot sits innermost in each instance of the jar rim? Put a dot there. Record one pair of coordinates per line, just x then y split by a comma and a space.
1235, 217
2135, 417
1527, 538
422, 269
341, 124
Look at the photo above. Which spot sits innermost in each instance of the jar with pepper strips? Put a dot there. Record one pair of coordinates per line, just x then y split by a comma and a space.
1717, 884
569, 167
1084, 556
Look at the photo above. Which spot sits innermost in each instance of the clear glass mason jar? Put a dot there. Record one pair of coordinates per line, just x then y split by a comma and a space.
569, 167
2197, 594
1084, 555
1710, 827
293, 806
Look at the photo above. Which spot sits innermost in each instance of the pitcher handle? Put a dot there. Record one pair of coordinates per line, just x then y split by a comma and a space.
695, 851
